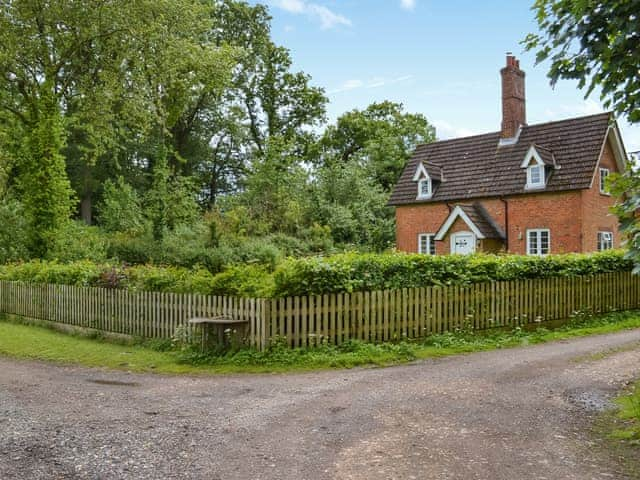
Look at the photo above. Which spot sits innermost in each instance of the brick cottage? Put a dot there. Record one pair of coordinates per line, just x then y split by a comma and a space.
527, 189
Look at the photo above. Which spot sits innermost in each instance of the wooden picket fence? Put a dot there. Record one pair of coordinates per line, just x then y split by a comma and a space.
334, 318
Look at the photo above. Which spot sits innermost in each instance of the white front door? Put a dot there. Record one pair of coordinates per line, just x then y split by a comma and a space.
463, 243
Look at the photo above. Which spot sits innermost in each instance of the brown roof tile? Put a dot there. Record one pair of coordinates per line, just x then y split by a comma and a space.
476, 166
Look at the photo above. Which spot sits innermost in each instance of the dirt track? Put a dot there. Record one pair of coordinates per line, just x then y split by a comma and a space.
514, 414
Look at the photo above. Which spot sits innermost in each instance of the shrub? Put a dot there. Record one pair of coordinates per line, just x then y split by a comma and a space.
82, 273
312, 276
121, 208
357, 272
14, 237
77, 241
245, 281
132, 249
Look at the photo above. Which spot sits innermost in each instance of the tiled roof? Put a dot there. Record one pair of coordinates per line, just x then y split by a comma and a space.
546, 154
434, 171
481, 218
476, 166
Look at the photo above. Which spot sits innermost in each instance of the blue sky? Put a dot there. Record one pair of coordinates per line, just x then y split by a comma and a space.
439, 58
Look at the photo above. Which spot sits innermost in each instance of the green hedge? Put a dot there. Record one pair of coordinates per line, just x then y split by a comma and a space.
362, 272
317, 275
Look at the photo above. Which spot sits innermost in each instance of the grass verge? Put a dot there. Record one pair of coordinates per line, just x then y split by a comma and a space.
628, 425
38, 343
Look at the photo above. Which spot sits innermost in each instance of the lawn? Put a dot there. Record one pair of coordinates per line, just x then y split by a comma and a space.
39, 343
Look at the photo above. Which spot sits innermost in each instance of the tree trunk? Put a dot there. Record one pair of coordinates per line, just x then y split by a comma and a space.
85, 208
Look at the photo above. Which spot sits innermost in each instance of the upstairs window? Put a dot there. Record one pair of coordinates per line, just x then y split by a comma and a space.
427, 243
535, 165
535, 176
605, 241
424, 188
538, 241
604, 173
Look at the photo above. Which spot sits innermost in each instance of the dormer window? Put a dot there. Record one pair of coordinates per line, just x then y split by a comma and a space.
536, 162
535, 176
424, 188
424, 182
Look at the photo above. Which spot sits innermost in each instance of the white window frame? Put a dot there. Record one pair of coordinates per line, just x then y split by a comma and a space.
538, 246
606, 171
530, 183
430, 243
429, 193
533, 160
601, 241
421, 176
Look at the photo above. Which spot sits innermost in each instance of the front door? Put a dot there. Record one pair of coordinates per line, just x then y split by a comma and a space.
463, 243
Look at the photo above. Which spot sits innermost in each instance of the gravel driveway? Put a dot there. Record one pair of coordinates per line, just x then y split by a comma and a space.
513, 414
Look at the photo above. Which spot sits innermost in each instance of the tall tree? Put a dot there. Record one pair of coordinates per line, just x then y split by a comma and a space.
381, 138
265, 100
107, 73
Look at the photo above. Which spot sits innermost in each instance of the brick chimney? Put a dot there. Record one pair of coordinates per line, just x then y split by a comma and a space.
513, 99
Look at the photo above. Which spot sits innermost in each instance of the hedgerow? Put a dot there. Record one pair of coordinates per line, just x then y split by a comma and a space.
360, 272
349, 272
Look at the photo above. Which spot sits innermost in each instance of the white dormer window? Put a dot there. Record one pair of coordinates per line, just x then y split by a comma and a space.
535, 169
535, 176
425, 186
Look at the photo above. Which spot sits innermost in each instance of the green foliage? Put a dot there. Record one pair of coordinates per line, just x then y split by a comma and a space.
380, 138
595, 42
121, 208
76, 241
360, 272
247, 281
168, 279
131, 249
13, 233
352, 206
626, 187
43, 186
317, 275
274, 198
83, 273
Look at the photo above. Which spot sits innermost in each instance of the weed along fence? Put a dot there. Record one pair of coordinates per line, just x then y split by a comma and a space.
334, 318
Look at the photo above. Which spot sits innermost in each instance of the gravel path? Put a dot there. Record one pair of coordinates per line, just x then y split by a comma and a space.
513, 414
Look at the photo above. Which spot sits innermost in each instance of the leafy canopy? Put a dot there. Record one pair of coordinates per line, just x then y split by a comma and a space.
596, 42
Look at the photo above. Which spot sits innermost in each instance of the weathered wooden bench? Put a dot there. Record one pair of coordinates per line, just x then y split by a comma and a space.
220, 323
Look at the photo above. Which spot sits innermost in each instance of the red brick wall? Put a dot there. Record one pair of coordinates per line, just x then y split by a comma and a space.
412, 220
559, 212
595, 207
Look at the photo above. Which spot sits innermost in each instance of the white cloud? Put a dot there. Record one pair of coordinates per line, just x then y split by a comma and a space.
327, 18
444, 130
408, 4
375, 82
293, 6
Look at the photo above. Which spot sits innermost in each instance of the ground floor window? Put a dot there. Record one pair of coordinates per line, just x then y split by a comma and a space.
538, 241
427, 243
605, 241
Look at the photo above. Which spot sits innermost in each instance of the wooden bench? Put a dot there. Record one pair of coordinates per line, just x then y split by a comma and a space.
220, 323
